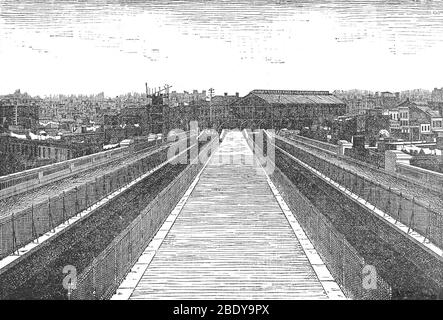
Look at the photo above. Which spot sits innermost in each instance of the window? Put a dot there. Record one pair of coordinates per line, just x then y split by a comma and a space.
425, 127
436, 124
403, 115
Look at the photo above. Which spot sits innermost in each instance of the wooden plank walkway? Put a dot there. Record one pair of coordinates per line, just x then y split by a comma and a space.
231, 240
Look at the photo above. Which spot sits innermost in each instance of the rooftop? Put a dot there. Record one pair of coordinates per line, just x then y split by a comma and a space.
226, 99
296, 97
426, 109
290, 92
423, 106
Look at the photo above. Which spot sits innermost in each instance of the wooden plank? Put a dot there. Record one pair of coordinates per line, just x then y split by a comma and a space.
230, 241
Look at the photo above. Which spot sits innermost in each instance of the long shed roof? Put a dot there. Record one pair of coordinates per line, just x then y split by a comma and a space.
296, 97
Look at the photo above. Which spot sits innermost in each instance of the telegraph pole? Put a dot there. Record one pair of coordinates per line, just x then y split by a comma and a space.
211, 93
149, 107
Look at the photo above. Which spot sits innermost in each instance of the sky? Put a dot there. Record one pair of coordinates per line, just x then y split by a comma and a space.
91, 46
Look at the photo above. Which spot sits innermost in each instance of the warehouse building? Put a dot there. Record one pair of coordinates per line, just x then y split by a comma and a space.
289, 109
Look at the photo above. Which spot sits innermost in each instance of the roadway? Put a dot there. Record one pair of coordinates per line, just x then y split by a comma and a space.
230, 237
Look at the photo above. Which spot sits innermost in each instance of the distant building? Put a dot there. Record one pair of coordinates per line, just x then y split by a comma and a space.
35, 152
19, 111
178, 98
360, 101
345, 127
135, 116
420, 95
179, 117
373, 123
289, 109
437, 95
183, 107
416, 121
219, 110
368, 125
360, 105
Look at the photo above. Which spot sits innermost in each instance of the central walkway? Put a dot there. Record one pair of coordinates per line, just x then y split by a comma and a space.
231, 240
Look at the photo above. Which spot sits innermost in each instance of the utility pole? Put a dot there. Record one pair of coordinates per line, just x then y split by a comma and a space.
149, 107
211, 93
16, 113
165, 125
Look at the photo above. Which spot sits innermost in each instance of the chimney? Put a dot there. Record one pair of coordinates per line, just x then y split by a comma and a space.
236, 94
226, 94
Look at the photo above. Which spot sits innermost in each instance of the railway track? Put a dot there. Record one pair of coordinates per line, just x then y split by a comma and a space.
40, 275
407, 280
22, 201
409, 189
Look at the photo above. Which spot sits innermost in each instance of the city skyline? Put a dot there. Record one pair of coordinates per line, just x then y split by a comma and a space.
114, 47
357, 91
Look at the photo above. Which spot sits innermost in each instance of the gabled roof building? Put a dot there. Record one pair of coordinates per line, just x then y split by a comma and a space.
291, 109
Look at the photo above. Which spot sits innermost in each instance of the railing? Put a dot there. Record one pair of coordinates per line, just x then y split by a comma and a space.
311, 142
19, 229
404, 173
146, 144
33, 178
412, 213
103, 276
423, 175
370, 157
342, 260
30, 179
